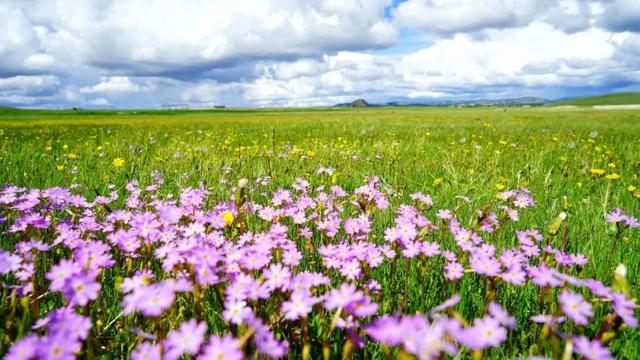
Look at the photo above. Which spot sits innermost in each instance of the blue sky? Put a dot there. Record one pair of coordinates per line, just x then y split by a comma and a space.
264, 53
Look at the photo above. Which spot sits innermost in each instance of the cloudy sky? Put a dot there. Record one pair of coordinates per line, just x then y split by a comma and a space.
154, 53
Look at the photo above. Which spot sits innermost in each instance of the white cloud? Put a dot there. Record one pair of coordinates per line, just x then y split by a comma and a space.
143, 37
113, 85
39, 61
451, 16
25, 83
297, 53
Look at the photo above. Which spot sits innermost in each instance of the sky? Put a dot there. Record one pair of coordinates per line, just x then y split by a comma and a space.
286, 53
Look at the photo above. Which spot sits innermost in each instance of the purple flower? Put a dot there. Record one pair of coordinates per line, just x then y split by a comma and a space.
81, 288
23, 349
58, 347
186, 340
575, 307
299, 305
225, 348
502, 315
615, 216
150, 300
485, 332
591, 350
453, 271
235, 312
276, 276
61, 272
147, 351
341, 297
444, 214
450, 302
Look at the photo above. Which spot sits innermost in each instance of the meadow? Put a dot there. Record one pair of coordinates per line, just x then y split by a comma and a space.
328, 233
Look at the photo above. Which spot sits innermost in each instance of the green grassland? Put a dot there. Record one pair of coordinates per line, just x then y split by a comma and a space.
443, 152
630, 98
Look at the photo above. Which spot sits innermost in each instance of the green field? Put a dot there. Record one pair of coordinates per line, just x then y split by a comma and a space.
609, 99
444, 152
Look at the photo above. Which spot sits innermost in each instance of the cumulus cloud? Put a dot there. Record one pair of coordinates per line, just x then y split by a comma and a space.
451, 16
113, 85
96, 53
621, 15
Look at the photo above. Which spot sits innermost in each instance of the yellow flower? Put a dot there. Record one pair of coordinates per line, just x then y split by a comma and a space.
503, 142
499, 187
48, 148
611, 165
60, 167
99, 148
118, 162
437, 181
227, 216
598, 172
72, 156
631, 188
563, 158
614, 176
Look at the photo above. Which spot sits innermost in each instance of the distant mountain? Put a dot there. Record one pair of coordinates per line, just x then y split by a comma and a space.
522, 101
629, 98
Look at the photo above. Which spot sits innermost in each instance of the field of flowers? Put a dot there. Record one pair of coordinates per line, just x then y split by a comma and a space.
320, 234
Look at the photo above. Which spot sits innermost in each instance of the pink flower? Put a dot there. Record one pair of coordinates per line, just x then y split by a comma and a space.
575, 307
225, 348
81, 288
299, 305
186, 340
591, 350
235, 312
485, 332
147, 351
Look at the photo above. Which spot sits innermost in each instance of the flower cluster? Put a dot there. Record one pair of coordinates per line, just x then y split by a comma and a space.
302, 268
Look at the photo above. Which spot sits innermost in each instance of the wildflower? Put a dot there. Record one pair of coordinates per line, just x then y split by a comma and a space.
61, 272
597, 172
343, 296
615, 216
235, 312
58, 347
444, 214
501, 315
298, 306
613, 176
222, 348
485, 332
453, 271
71, 156
575, 307
150, 300
146, 351
591, 350
227, 217
23, 349
276, 276
118, 162
186, 340
81, 288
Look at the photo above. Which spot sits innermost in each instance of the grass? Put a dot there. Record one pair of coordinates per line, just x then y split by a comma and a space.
630, 98
443, 152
